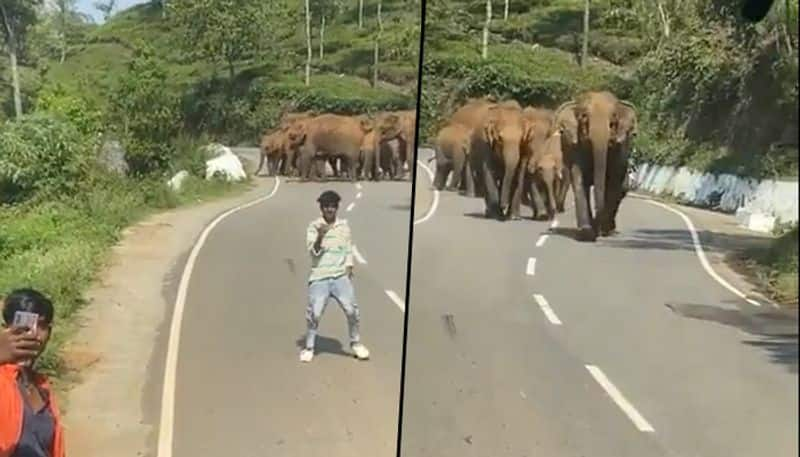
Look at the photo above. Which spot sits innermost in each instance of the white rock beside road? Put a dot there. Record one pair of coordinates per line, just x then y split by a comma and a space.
224, 162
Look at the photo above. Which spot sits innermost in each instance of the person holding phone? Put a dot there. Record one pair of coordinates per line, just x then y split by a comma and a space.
328, 241
30, 422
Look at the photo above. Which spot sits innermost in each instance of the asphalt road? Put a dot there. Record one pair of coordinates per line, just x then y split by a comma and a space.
240, 388
621, 348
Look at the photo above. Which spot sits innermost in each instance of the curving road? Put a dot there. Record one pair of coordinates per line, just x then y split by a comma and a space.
524, 342
239, 387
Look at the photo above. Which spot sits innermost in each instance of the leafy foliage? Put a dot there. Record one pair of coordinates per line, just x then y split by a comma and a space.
146, 113
42, 157
228, 30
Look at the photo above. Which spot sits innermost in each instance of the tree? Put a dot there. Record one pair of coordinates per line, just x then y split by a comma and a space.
308, 42
505, 11
229, 30
66, 9
585, 46
360, 14
378, 37
145, 110
486, 24
18, 17
324, 9
106, 7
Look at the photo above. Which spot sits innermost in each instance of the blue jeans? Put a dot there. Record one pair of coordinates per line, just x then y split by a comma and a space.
340, 289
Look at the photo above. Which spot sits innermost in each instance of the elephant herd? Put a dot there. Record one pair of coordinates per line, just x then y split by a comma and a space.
369, 147
508, 154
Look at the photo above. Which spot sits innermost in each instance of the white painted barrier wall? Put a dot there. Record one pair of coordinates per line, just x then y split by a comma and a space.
758, 204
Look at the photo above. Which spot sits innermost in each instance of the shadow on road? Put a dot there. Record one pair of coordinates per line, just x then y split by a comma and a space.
672, 239
776, 332
324, 345
404, 207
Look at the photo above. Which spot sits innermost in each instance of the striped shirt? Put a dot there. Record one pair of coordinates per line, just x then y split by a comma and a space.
336, 250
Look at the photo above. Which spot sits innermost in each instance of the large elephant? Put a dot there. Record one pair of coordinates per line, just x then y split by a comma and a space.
498, 158
452, 153
289, 125
605, 127
330, 135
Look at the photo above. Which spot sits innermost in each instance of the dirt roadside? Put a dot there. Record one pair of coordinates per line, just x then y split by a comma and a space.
120, 343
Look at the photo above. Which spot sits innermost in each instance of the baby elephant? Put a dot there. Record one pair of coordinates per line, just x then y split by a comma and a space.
545, 175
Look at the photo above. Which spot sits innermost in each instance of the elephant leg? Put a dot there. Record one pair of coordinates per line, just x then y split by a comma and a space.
563, 187
469, 179
551, 198
458, 170
353, 162
491, 197
440, 175
517, 187
537, 202
583, 214
509, 172
615, 190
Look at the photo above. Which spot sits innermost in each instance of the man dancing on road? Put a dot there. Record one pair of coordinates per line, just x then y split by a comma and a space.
328, 241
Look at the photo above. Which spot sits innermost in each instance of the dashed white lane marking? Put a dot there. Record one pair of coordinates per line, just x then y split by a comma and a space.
546, 309
166, 424
542, 239
360, 258
530, 268
435, 203
396, 299
350, 207
358, 195
701, 255
626, 407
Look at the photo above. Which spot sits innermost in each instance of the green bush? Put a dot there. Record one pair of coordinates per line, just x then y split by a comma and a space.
146, 114
42, 156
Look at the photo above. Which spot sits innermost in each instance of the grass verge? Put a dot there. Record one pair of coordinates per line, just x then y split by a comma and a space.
59, 247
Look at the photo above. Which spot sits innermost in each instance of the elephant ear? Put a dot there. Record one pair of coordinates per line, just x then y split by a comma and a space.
628, 113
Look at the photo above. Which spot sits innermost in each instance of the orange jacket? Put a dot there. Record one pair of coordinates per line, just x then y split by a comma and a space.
11, 412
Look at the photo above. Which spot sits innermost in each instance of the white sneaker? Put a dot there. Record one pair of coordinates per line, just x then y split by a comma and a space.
361, 351
306, 355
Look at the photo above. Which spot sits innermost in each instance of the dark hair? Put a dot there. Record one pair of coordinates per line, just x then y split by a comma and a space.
29, 300
329, 197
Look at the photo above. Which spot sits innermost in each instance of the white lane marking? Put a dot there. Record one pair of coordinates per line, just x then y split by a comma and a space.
701, 255
530, 269
166, 424
350, 207
396, 299
358, 195
546, 309
554, 224
359, 186
435, 203
360, 258
542, 239
637, 419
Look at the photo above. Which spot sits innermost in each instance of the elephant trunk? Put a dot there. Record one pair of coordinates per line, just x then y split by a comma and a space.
511, 161
549, 178
599, 134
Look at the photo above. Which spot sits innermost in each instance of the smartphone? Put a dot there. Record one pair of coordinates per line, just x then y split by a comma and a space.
26, 320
